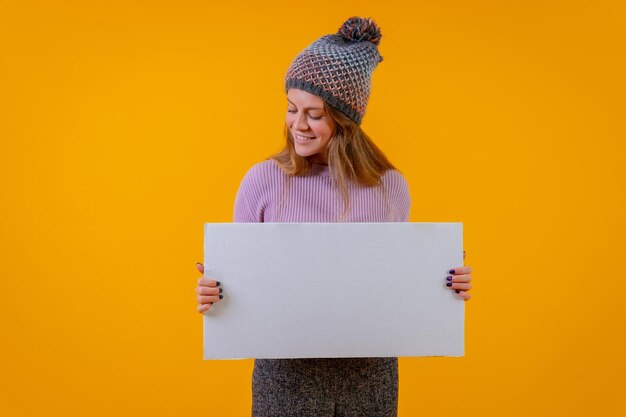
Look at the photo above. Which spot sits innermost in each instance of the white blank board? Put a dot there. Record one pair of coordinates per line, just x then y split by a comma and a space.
318, 290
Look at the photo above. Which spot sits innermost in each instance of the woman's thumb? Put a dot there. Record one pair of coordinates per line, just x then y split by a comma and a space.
200, 267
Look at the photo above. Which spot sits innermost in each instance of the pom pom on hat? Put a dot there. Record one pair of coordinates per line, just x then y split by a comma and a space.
358, 29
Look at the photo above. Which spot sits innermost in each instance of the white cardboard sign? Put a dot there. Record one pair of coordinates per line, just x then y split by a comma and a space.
314, 290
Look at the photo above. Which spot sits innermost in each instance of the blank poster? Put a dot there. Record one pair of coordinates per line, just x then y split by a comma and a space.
313, 290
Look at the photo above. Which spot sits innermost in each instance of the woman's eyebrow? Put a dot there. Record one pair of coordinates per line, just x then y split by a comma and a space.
307, 108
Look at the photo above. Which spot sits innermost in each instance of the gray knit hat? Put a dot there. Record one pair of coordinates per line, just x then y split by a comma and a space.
338, 67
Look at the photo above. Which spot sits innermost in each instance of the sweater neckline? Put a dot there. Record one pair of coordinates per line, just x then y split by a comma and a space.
320, 169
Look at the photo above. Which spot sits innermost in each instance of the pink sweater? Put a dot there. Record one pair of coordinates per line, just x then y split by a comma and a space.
312, 198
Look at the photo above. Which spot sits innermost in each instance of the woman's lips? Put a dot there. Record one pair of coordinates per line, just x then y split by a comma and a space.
303, 139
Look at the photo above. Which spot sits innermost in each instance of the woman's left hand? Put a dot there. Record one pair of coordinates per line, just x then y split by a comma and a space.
459, 281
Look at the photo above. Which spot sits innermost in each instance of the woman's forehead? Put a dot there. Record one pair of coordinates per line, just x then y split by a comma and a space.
304, 98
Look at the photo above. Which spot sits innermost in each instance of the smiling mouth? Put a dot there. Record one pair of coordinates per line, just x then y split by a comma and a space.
303, 138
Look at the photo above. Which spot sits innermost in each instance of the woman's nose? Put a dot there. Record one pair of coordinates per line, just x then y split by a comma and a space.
300, 123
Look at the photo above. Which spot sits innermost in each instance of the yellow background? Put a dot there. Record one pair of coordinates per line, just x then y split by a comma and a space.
126, 125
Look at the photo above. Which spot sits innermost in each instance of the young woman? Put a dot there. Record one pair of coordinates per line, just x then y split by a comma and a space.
329, 171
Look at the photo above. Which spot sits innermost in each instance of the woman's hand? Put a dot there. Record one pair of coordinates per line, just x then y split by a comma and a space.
459, 281
207, 290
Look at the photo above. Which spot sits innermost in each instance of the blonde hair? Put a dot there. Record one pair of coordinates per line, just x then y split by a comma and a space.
351, 156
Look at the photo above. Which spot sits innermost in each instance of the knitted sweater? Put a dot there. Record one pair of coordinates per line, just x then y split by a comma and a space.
313, 198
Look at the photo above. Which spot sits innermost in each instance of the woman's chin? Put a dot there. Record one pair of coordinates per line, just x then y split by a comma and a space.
303, 152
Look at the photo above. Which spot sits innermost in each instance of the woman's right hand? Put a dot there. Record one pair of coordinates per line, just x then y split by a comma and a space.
208, 291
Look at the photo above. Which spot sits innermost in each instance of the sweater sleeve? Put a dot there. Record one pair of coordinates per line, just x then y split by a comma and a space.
400, 196
242, 212
248, 202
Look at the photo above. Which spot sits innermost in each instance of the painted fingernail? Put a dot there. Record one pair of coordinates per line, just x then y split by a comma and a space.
221, 296
448, 284
217, 283
449, 278
452, 271
457, 291
221, 289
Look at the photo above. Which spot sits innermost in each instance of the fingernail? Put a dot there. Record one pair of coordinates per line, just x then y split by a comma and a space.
218, 283
452, 271
221, 289
449, 278
221, 296
457, 291
448, 284
198, 263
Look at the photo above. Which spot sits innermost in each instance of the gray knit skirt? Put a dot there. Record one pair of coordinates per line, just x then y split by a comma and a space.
325, 387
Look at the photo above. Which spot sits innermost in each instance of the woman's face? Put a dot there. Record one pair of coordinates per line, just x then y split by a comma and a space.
310, 126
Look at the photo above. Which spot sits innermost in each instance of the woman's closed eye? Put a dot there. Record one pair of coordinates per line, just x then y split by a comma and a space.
310, 115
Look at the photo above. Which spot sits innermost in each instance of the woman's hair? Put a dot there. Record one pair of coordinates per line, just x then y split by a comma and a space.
351, 156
